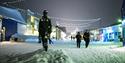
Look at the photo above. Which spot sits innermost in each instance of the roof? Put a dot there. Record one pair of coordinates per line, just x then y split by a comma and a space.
11, 14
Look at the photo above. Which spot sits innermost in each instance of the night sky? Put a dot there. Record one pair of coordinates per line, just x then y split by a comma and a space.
107, 10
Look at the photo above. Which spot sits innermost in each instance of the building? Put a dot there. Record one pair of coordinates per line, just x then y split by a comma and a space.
10, 17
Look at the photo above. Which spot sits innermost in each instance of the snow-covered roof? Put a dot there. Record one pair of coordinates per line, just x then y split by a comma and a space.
11, 14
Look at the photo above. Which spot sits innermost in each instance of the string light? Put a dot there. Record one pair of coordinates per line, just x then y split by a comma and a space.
74, 23
65, 19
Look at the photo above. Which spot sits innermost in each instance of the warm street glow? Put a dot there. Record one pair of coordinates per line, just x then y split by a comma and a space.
3, 44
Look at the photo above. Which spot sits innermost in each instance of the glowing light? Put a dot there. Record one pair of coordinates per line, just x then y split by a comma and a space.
32, 18
29, 32
6, 42
123, 22
3, 44
32, 23
119, 20
36, 33
65, 19
109, 30
120, 29
53, 34
63, 35
1, 17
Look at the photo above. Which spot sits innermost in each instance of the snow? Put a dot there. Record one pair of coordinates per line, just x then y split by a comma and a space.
10, 48
41, 56
61, 52
12, 52
122, 49
95, 55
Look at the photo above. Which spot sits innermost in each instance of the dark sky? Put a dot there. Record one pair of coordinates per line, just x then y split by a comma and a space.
78, 9
107, 10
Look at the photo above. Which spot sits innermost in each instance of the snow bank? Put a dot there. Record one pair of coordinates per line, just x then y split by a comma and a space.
96, 55
39, 56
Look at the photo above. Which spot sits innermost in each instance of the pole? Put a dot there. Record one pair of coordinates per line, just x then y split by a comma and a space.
123, 24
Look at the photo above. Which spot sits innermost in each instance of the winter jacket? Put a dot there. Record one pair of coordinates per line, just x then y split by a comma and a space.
45, 26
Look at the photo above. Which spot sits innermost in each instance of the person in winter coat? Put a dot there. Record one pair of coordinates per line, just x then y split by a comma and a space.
86, 38
78, 39
44, 29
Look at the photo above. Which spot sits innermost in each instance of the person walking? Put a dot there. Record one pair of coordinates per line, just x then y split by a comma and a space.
86, 38
44, 29
78, 39
71, 37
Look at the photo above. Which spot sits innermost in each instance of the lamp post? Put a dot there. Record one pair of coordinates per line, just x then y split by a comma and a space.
123, 21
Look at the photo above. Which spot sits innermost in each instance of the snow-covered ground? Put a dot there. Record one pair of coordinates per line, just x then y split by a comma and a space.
61, 52
96, 55
12, 52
